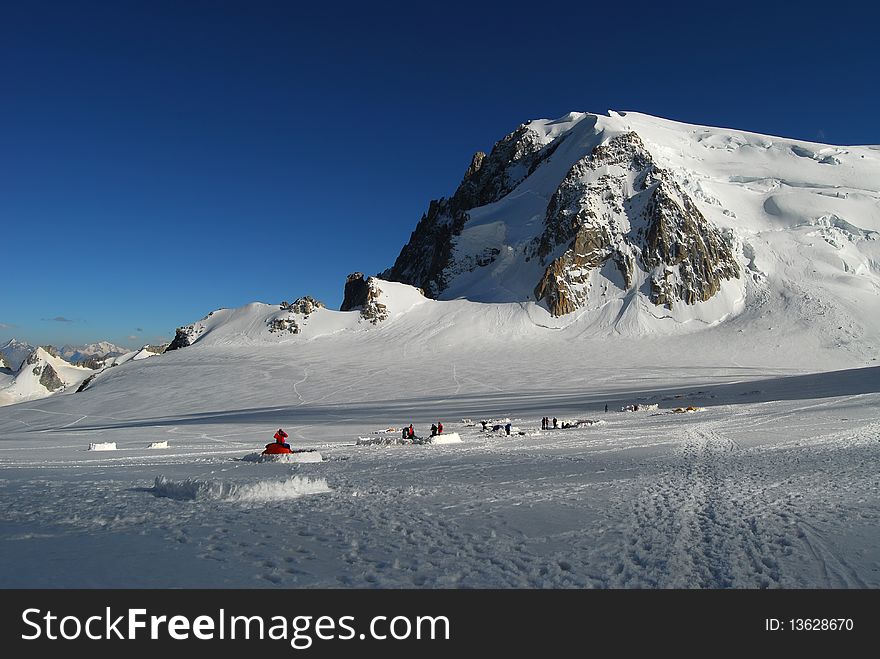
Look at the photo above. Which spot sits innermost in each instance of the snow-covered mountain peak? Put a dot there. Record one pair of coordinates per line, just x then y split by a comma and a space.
638, 218
41, 374
15, 352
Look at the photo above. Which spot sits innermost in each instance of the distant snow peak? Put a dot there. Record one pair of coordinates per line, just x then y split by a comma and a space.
90, 352
42, 373
43, 369
14, 353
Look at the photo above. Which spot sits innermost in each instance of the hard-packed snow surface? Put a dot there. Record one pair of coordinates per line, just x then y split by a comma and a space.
772, 483
767, 476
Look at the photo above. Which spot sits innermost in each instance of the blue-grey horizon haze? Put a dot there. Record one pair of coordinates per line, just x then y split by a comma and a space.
159, 160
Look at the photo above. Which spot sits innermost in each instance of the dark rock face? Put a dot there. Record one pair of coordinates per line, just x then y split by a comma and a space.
364, 296
356, 292
182, 338
652, 226
85, 383
426, 256
678, 236
48, 377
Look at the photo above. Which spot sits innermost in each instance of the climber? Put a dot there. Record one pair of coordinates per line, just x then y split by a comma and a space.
280, 436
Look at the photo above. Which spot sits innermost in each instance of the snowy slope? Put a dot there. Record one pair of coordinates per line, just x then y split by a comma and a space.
772, 484
258, 323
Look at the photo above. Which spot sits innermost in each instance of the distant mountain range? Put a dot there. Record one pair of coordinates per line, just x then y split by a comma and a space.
100, 349
30, 372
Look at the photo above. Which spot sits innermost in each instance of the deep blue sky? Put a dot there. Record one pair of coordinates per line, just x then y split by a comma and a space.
162, 159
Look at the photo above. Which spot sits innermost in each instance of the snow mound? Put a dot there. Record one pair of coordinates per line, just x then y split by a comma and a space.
163, 444
299, 457
102, 446
446, 438
381, 441
199, 490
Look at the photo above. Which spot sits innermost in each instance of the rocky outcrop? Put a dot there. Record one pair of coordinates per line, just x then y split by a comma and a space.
374, 311
183, 337
356, 292
303, 305
49, 378
157, 348
423, 261
688, 257
85, 383
288, 324
615, 205
43, 369
94, 362
363, 295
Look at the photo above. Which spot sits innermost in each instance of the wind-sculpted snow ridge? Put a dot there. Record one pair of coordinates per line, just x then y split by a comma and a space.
193, 489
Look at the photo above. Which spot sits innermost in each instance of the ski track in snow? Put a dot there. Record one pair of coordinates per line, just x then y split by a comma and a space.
694, 527
299, 382
707, 522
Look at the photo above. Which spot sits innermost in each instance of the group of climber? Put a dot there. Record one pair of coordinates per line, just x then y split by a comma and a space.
496, 427
545, 423
436, 429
